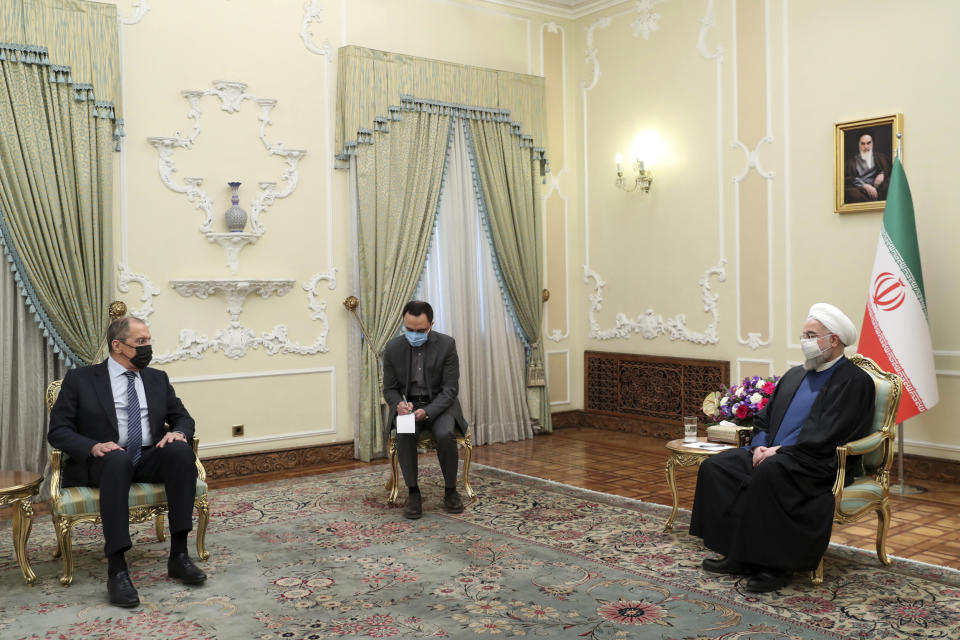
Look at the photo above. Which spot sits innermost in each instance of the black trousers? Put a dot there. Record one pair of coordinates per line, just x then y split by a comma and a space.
174, 466
444, 429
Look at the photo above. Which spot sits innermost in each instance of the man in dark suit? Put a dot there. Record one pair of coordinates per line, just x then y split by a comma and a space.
768, 507
110, 420
421, 375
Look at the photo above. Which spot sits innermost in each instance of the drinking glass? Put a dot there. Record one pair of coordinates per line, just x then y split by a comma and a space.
689, 428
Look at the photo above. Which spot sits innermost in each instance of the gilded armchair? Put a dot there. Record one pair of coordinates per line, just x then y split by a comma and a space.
871, 491
425, 441
148, 501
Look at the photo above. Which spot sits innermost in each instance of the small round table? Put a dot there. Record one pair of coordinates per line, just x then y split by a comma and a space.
16, 488
682, 455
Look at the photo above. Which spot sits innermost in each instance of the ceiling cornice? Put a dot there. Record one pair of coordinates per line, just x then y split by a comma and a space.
566, 10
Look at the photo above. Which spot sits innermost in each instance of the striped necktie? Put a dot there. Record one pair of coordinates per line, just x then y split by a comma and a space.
134, 435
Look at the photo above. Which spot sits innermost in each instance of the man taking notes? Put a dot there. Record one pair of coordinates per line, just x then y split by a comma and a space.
421, 377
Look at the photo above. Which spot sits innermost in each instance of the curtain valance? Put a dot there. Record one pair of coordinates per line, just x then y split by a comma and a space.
375, 87
81, 35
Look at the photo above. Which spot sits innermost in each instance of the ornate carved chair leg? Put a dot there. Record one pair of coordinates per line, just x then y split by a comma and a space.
816, 576
394, 474
66, 545
159, 524
467, 456
203, 517
56, 531
883, 525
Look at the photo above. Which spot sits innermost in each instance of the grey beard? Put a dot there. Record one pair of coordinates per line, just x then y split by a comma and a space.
811, 364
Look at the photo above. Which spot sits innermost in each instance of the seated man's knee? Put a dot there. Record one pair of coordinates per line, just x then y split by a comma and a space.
117, 461
178, 453
444, 429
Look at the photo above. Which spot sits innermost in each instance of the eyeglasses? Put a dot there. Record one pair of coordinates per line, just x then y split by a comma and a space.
812, 335
139, 342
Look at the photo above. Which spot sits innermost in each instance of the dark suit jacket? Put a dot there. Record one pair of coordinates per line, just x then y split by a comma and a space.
84, 414
441, 370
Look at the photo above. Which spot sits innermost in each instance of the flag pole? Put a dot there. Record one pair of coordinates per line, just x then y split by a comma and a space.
900, 488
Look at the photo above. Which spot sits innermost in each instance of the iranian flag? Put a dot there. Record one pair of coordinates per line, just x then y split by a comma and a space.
896, 333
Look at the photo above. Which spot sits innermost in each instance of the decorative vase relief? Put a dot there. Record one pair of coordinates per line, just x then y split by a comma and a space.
235, 216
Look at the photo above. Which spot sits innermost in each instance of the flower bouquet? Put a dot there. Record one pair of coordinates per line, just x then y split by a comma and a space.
741, 402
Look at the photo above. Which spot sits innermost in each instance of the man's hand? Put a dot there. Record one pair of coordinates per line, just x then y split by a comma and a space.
762, 453
871, 191
403, 408
419, 415
171, 436
103, 448
878, 180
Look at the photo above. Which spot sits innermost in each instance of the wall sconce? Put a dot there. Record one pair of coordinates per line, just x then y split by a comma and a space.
641, 182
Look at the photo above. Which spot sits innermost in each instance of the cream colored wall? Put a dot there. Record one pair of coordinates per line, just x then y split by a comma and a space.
283, 400
714, 86
711, 85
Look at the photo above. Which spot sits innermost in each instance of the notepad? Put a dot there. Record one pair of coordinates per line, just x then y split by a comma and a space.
406, 424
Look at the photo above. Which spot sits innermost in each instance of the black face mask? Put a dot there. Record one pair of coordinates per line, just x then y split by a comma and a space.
143, 357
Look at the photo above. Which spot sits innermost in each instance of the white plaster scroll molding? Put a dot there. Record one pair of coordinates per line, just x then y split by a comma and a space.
649, 21
140, 9
149, 291
754, 340
235, 291
592, 52
311, 13
232, 95
236, 340
650, 324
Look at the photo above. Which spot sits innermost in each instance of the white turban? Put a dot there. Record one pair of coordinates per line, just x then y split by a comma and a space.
835, 321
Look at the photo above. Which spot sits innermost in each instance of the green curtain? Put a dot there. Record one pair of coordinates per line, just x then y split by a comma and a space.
509, 177
371, 85
79, 34
56, 174
399, 174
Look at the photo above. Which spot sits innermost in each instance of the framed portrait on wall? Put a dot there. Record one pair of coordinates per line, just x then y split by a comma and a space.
864, 151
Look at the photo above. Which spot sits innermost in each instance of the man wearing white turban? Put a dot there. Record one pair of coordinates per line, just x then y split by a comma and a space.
767, 508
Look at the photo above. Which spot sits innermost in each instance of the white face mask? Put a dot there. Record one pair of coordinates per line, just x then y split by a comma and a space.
815, 356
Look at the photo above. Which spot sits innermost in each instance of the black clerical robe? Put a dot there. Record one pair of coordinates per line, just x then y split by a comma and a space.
779, 514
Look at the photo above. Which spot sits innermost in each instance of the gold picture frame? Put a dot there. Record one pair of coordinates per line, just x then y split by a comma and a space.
851, 192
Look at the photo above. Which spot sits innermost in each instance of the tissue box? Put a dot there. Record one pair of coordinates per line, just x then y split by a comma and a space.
729, 433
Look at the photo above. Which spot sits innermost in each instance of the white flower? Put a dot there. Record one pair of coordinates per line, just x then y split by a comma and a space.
724, 401
740, 392
756, 398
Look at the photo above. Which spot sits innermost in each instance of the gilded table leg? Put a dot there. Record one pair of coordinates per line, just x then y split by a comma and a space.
672, 483
22, 523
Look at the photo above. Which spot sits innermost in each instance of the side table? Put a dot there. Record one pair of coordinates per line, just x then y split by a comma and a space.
16, 488
682, 455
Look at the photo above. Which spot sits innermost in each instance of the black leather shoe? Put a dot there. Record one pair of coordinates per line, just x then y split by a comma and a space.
767, 580
723, 565
414, 508
452, 502
122, 592
182, 568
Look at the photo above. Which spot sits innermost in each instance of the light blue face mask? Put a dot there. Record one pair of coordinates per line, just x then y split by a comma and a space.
416, 338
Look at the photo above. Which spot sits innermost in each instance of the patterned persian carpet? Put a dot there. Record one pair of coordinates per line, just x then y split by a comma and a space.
324, 557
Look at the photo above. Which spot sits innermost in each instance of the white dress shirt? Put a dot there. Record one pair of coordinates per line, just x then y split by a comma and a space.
118, 380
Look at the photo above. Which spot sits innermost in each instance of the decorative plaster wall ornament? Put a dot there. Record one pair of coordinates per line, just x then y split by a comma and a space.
123, 284
651, 325
752, 159
232, 95
311, 13
236, 340
707, 22
592, 52
648, 20
140, 9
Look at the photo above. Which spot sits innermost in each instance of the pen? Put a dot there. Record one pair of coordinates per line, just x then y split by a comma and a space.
403, 397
